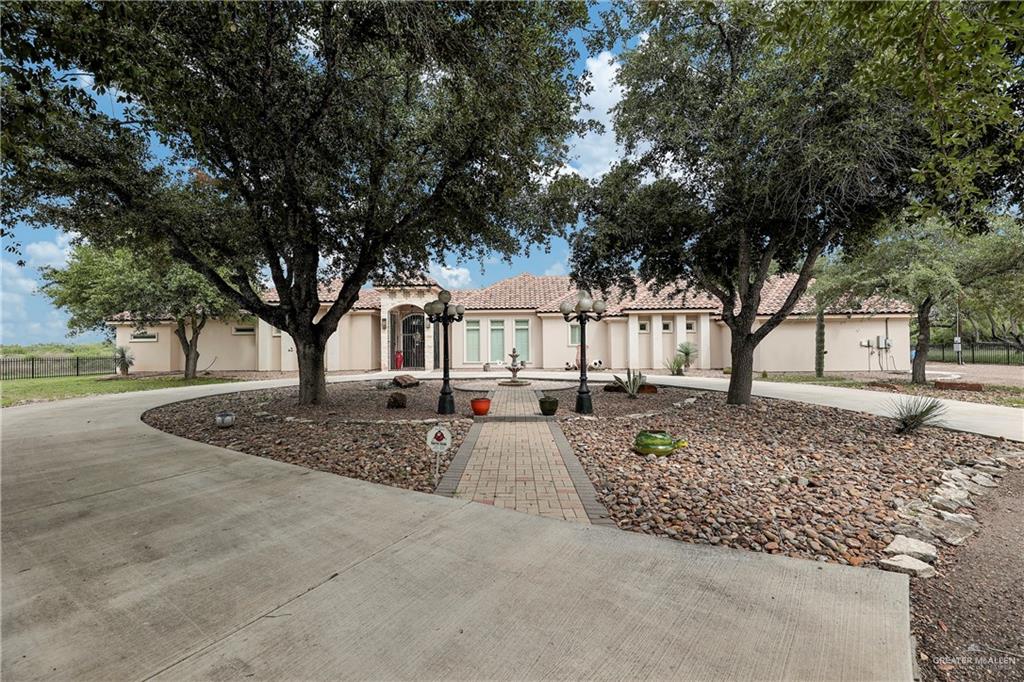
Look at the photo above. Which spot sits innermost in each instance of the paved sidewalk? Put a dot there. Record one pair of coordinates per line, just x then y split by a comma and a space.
516, 465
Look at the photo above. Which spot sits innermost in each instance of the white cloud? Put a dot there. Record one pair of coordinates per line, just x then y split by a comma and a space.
595, 152
49, 253
557, 268
453, 278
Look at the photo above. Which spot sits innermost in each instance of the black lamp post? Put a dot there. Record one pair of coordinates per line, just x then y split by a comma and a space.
440, 311
585, 310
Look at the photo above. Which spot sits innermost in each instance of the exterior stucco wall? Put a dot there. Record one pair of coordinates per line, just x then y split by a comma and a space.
358, 342
790, 346
219, 348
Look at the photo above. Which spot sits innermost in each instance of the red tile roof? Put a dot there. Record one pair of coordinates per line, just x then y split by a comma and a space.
544, 293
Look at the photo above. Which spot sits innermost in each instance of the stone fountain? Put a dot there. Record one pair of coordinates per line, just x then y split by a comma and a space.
515, 367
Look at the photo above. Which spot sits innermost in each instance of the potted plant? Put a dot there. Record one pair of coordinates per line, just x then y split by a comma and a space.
548, 405
481, 406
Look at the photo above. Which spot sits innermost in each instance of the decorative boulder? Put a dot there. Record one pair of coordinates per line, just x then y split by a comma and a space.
405, 381
648, 388
397, 401
614, 388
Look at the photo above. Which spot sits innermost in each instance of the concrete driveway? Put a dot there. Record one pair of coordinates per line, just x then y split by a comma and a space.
129, 554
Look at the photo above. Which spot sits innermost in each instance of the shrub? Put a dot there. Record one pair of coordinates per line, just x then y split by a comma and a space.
123, 360
913, 413
632, 383
676, 366
764, 374
727, 370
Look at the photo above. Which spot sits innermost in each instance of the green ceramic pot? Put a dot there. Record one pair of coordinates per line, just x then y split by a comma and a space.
548, 406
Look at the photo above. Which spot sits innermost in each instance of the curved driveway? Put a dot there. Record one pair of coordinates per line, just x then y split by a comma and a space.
129, 553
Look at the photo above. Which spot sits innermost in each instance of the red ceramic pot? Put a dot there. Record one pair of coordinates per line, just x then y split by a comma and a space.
481, 406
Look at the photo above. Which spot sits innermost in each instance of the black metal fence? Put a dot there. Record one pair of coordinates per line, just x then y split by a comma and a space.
54, 366
988, 353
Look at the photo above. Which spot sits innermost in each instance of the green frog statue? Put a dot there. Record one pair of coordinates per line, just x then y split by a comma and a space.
660, 443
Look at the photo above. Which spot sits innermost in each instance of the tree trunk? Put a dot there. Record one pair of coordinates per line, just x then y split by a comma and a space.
742, 350
819, 343
924, 330
190, 348
191, 362
312, 382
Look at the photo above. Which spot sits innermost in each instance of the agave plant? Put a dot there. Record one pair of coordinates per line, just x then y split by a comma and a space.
123, 360
913, 413
632, 383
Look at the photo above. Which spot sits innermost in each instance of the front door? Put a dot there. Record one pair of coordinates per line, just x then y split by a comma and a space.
413, 342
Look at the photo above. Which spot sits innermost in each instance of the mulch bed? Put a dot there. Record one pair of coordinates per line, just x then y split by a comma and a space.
775, 476
340, 436
967, 619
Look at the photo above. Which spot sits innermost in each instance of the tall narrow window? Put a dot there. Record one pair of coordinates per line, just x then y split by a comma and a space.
523, 339
472, 340
497, 340
574, 334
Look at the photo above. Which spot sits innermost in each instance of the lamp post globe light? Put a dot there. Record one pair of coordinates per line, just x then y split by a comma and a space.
442, 311
585, 310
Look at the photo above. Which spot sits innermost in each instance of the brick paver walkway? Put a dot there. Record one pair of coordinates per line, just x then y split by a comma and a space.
517, 465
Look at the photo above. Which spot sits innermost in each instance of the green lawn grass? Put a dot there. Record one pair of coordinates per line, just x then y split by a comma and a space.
811, 379
55, 388
86, 350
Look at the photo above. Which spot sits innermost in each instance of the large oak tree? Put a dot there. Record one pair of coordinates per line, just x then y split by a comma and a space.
351, 140
744, 162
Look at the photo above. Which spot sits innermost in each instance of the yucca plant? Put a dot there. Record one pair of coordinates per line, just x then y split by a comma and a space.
676, 365
123, 360
631, 385
688, 352
913, 413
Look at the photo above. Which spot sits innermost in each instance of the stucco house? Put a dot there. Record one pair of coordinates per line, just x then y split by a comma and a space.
640, 331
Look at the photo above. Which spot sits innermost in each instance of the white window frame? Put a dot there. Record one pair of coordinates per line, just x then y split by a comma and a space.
529, 338
236, 327
666, 326
574, 325
465, 341
644, 326
492, 326
151, 337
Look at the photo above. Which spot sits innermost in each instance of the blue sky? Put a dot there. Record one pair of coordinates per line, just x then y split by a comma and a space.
26, 316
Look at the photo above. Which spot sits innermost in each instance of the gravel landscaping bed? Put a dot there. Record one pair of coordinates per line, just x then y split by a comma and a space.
967, 619
352, 434
608, 404
775, 476
1010, 396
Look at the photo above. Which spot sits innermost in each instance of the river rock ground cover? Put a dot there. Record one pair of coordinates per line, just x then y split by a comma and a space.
775, 476
351, 434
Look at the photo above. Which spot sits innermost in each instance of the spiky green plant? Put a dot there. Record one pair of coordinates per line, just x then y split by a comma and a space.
123, 360
676, 365
688, 352
632, 383
913, 413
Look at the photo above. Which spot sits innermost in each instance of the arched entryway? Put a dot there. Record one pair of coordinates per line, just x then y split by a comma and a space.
408, 336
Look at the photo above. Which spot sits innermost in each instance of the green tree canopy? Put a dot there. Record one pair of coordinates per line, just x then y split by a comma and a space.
96, 285
744, 162
929, 264
960, 63
357, 140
